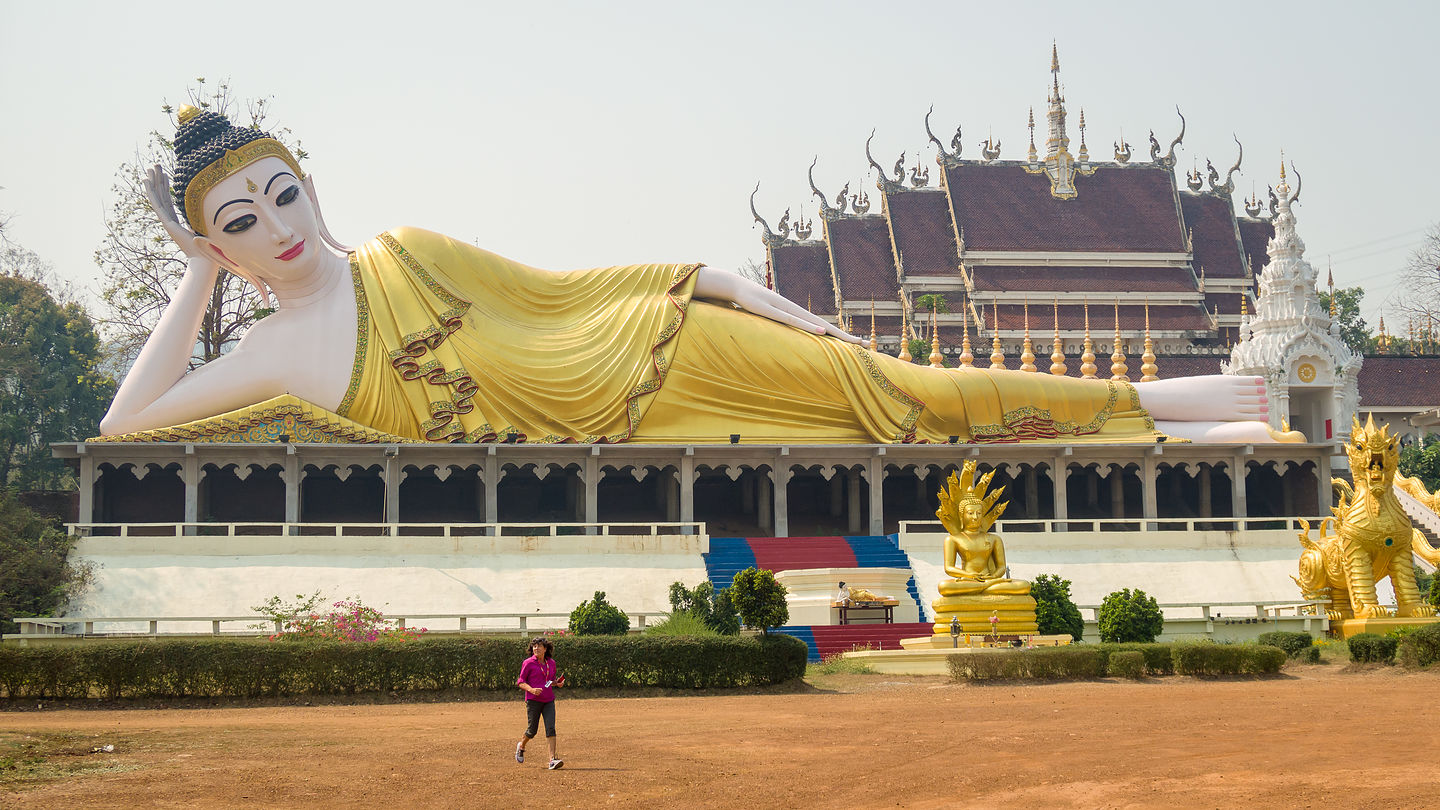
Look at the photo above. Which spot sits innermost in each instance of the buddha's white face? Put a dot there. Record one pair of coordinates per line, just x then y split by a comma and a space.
261, 219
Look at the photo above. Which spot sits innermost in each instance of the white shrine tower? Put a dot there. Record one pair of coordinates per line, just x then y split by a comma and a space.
1292, 342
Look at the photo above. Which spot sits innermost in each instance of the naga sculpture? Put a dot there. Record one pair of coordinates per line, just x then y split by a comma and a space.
1369, 538
980, 586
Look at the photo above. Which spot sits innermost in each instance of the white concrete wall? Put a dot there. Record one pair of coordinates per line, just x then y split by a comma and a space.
1174, 567
227, 576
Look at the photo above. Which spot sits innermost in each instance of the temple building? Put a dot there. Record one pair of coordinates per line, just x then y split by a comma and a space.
1058, 248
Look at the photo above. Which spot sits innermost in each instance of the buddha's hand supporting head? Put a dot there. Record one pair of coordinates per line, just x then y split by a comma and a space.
239, 191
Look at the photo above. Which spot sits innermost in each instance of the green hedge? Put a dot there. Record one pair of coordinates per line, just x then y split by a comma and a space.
1208, 658
1157, 656
1041, 663
256, 667
1420, 648
1126, 664
1299, 646
1372, 648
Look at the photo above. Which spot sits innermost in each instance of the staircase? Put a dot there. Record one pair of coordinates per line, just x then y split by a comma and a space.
731, 555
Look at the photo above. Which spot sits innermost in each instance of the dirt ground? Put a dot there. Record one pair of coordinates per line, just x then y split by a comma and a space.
1319, 736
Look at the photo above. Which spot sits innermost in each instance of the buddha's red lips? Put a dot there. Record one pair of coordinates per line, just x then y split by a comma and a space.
292, 252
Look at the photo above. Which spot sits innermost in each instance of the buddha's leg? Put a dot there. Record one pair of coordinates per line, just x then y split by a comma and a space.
960, 587
1214, 398
1227, 432
1017, 587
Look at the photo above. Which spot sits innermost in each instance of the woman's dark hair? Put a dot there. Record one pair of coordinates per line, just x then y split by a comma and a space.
544, 642
202, 139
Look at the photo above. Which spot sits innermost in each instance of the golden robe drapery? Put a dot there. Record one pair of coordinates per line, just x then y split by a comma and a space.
457, 344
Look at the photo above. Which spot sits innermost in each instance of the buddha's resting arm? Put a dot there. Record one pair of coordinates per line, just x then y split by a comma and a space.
157, 391
997, 558
719, 285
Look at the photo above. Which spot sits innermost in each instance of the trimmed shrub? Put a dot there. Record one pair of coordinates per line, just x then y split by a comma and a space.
1127, 615
1157, 656
1126, 664
681, 623
1372, 648
1041, 663
713, 607
596, 617
247, 668
1054, 610
1420, 648
1299, 646
759, 599
1209, 659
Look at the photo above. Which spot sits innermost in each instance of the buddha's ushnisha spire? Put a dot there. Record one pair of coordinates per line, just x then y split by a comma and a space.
967, 360
1118, 370
904, 355
937, 360
1027, 354
1057, 353
1148, 369
874, 338
1087, 357
997, 354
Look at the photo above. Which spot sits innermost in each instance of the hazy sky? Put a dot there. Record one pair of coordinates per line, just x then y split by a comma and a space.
580, 134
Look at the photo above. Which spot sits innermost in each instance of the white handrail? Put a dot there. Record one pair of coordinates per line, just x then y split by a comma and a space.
340, 529
1163, 524
31, 626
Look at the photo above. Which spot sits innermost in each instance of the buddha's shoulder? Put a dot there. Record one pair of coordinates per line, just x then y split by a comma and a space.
429, 246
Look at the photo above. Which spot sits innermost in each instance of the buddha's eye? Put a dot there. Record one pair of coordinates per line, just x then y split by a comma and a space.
287, 196
240, 224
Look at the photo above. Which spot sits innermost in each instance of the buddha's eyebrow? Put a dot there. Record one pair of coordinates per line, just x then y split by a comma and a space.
222, 208
277, 177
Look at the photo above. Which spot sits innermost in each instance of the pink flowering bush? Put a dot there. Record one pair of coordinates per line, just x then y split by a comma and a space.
348, 620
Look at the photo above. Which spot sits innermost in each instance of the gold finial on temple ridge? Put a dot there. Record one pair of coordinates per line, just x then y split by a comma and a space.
1118, 370
904, 355
1087, 357
1057, 354
967, 360
997, 354
1148, 369
874, 338
1027, 355
936, 359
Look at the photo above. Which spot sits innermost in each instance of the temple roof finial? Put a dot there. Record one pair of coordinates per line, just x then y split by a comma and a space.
1118, 369
1057, 349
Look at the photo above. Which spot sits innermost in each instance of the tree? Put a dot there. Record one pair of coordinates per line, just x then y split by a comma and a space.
1420, 280
759, 599
933, 303
712, 607
36, 577
1353, 330
141, 266
597, 617
1127, 615
1422, 461
51, 385
753, 270
1054, 611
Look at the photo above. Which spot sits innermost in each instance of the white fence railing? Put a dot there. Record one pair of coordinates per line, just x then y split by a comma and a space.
1125, 524
521, 623
1210, 611
259, 529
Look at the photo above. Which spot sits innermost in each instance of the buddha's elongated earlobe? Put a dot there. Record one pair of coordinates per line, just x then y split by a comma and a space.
309, 183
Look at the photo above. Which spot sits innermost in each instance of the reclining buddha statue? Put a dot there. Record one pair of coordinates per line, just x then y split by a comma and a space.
414, 336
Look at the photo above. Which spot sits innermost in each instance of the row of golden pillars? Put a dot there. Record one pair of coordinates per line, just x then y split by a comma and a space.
1119, 370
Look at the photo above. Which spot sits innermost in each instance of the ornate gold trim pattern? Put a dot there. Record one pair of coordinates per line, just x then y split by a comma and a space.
907, 425
265, 423
362, 338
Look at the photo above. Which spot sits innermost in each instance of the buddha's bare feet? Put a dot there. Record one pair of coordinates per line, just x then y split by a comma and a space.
1227, 432
1214, 398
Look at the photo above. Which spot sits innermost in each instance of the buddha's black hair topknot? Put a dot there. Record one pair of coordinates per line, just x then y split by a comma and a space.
199, 142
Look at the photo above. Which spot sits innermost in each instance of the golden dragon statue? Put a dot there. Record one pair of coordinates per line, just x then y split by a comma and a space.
1369, 537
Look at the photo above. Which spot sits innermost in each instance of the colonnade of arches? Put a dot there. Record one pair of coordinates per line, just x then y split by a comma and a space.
733, 499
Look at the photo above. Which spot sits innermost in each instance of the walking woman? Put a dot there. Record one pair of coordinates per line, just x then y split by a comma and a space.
539, 678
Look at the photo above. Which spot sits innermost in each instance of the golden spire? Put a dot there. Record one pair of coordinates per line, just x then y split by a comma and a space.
937, 360
1148, 368
1057, 355
904, 355
874, 339
1118, 369
1087, 357
1383, 344
1330, 282
1027, 356
997, 355
967, 360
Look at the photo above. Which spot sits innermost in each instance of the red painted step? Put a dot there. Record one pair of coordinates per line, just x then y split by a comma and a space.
832, 639
793, 553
